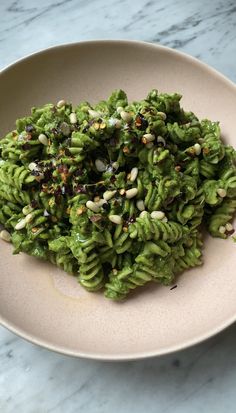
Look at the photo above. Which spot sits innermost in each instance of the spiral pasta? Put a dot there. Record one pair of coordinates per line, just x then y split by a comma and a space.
116, 193
147, 228
220, 217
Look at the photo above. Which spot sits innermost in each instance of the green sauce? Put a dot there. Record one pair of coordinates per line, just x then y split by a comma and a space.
116, 193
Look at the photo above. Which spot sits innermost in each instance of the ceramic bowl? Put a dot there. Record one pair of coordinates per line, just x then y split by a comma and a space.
44, 305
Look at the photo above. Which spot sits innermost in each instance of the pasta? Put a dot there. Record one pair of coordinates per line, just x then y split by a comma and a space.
116, 193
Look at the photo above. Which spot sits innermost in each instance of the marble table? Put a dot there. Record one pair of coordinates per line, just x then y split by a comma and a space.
202, 378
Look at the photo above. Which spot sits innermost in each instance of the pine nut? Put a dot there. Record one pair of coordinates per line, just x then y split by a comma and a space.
119, 109
125, 116
197, 149
92, 206
229, 227
116, 219
100, 165
100, 202
157, 214
133, 174
28, 218
27, 209
61, 103
73, 118
94, 113
108, 195
32, 166
5, 235
221, 192
65, 128
143, 214
43, 139
21, 224
149, 137
115, 165
118, 124
130, 193
140, 205
162, 115
222, 229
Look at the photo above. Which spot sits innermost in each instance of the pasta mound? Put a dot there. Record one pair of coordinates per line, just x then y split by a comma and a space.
116, 193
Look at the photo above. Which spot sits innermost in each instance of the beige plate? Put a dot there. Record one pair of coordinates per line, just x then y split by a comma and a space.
41, 303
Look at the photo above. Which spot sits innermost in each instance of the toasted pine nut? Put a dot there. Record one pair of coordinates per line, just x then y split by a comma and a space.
116, 219
130, 193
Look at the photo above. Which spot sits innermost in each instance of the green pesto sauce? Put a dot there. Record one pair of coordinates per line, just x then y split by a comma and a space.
116, 193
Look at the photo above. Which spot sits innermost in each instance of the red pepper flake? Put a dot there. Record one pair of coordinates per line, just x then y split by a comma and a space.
177, 168
47, 175
35, 172
130, 220
60, 168
80, 189
28, 137
140, 122
44, 188
67, 152
34, 203
80, 210
57, 194
126, 149
78, 172
63, 171
55, 131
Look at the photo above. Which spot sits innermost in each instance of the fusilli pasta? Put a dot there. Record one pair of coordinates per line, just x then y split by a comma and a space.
116, 193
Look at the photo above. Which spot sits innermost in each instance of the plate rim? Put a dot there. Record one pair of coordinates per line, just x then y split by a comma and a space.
143, 43
32, 338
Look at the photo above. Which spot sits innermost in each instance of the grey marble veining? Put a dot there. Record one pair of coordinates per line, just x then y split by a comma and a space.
34, 380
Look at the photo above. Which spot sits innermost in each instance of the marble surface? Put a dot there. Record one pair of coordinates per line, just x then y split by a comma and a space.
202, 378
